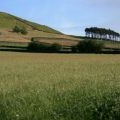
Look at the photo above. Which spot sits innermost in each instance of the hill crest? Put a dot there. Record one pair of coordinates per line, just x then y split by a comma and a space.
9, 21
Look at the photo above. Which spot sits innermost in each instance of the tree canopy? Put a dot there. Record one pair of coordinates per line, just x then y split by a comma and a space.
102, 33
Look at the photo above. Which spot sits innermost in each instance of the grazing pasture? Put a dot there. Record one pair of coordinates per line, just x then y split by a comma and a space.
59, 86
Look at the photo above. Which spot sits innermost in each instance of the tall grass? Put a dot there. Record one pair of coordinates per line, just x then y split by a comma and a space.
59, 87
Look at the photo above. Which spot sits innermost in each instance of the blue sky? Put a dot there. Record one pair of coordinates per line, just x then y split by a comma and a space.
68, 16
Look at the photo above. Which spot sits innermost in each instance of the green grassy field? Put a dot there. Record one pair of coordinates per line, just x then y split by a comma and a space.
59, 86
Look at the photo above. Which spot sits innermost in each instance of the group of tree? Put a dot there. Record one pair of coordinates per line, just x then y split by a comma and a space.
88, 46
36, 46
85, 46
21, 30
102, 33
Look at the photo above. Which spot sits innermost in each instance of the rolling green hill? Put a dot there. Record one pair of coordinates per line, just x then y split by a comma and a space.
43, 34
9, 21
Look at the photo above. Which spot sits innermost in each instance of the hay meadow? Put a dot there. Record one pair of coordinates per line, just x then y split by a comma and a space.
37, 86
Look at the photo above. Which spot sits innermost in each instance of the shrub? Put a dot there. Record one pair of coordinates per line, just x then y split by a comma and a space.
90, 46
55, 47
24, 31
36, 46
16, 29
21, 30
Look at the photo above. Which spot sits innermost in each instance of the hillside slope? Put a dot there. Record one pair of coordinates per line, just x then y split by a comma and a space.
7, 22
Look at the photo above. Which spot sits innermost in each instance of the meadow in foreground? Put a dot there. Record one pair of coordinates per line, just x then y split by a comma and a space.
59, 86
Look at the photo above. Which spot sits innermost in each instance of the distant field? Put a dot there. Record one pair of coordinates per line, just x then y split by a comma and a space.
62, 41
65, 41
8, 35
59, 86
71, 42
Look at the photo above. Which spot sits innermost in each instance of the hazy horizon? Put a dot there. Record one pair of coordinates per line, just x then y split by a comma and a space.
67, 16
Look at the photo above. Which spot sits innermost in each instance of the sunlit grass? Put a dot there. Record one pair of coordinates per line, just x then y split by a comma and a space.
59, 86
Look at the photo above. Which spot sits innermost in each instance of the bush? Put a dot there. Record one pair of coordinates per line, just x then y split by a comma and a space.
16, 29
24, 31
21, 30
90, 46
55, 47
36, 46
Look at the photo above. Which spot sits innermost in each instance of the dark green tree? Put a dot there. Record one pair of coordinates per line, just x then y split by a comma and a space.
89, 46
17, 29
36, 46
102, 33
55, 47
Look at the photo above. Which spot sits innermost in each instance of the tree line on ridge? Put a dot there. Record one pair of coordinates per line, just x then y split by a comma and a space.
102, 33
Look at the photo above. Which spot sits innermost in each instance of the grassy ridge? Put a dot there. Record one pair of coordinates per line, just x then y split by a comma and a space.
43, 33
59, 87
9, 21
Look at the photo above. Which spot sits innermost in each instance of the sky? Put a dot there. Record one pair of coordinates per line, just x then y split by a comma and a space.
67, 16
